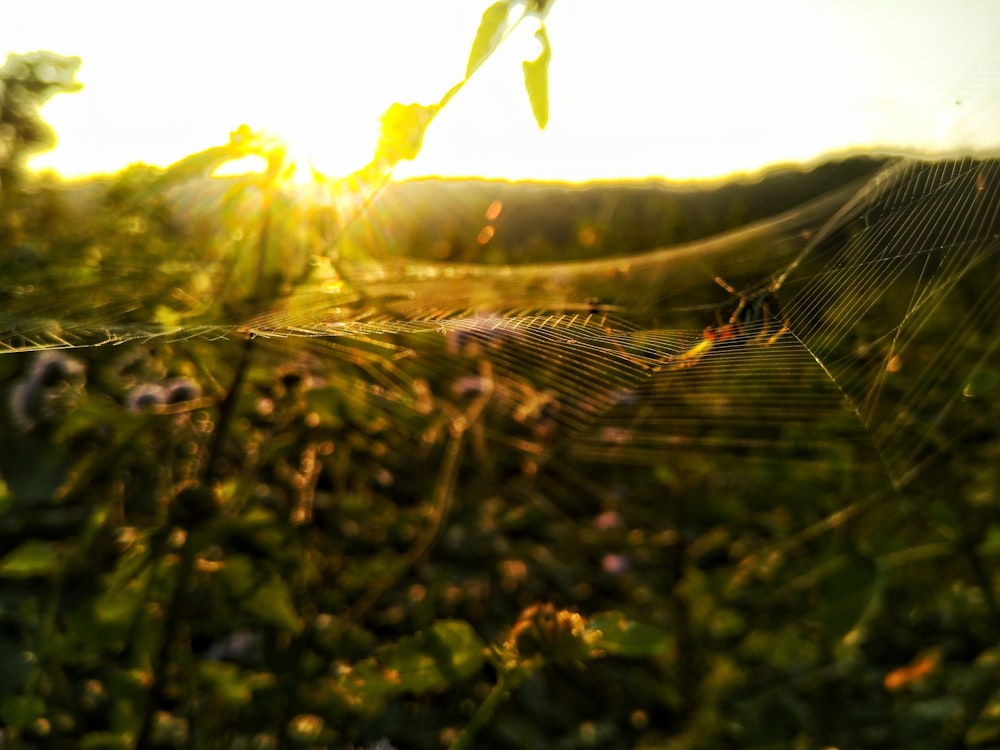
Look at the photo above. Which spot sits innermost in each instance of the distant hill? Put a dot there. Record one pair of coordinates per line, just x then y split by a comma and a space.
452, 220
470, 221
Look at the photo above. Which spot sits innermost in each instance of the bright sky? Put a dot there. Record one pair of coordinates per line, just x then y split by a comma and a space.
638, 88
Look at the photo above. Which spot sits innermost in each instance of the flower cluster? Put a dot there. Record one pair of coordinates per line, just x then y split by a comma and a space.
146, 396
51, 389
559, 636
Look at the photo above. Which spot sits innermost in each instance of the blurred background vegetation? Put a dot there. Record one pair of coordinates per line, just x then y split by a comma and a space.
316, 542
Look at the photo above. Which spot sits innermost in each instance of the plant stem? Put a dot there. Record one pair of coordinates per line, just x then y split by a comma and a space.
484, 713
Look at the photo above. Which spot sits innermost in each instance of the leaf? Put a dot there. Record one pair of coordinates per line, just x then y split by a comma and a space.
490, 32
445, 653
536, 79
243, 142
985, 730
226, 683
623, 637
260, 594
31, 559
403, 127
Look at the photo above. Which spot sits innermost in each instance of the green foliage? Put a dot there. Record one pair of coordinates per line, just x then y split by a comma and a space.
488, 36
403, 129
495, 26
26, 83
322, 545
623, 636
446, 653
536, 79
33, 558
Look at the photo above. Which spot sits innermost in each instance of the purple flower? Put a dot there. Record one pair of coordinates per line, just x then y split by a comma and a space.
144, 396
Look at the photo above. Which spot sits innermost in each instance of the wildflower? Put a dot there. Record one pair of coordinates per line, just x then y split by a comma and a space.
52, 388
181, 389
144, 396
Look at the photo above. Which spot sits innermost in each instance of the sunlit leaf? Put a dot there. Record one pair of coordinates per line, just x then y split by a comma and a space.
34, 558
243, 143
448, 651
403, 127
490, 32
621, 636
536, 79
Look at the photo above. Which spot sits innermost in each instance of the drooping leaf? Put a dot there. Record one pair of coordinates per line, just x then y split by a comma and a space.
33, 558
621, 636
490, 32
403, 127
536, 79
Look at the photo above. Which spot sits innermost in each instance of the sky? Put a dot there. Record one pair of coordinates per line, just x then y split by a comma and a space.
638, 88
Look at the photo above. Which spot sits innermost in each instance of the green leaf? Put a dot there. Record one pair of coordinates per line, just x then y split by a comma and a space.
536, 79
445, 653
403, 127
490, 32
225, 682
31, 559
243, 142
620, 636
260, 593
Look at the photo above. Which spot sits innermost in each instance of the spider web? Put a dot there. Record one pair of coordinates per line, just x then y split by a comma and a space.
887, 289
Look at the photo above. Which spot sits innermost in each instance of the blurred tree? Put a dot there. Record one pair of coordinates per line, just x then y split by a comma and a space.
26, 83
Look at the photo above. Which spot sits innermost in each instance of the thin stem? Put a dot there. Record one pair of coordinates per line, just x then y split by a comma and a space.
227, 411
509, 676
484, 713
